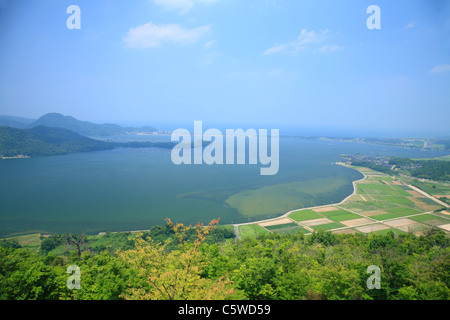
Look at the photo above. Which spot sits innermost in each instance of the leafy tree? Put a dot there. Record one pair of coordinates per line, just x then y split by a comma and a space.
103, 277
183, 265
321, 236
10, 244
50, 243
74, 240
176, 274
24, 276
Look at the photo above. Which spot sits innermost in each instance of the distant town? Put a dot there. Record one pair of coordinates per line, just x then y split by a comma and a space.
383, 161
435, 144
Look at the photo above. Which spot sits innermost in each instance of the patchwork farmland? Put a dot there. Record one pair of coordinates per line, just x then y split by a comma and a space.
380, 204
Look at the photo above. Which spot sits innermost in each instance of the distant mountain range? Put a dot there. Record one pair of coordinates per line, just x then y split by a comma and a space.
57, 120
54, 134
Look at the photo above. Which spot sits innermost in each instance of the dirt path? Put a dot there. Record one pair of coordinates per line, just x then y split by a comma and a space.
429, 196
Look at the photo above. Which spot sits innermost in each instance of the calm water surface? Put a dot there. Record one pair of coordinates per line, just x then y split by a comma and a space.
133, 189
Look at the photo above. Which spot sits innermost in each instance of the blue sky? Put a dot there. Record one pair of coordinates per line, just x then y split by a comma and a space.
310, 67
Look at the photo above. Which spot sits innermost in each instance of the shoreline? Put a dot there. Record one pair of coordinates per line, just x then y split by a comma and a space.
237, 225
15, 157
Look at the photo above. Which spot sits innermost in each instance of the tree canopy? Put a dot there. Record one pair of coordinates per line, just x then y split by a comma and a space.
184, 265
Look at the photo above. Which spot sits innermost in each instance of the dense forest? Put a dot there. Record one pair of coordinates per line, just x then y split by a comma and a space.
438, 170
44, 141
428, 169
434, 170
204, 262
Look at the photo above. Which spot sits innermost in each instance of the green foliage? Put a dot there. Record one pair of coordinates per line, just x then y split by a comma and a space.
10, 244
104, 277
45, 141
428, 169
400, 162
434, 170
111, 242
182, 263
25, 276
323, 237
50, 243
42, 141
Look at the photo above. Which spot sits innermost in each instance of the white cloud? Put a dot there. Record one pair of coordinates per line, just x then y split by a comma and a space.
182, 5
304, 40
410, 25
443, 68
209, 43
329, 48
152, 35
275, 49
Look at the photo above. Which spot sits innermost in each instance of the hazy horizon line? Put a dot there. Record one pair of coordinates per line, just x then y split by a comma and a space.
286, 129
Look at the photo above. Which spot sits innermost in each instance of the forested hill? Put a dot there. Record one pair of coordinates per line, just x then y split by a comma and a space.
41, 141
85, 128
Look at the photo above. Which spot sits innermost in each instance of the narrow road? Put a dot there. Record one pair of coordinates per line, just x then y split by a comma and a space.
429, 196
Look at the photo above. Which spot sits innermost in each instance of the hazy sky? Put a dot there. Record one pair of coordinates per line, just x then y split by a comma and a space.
241, 63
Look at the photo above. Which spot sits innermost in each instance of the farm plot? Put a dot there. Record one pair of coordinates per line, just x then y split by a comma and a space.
317, 222
356, 222
328, 226
407, 225
251, 231
284, 226
293, 230
303, 215
367, 206
396, 213
382, 189
340, 215
431, 220
281, 226
275, 222
372, 228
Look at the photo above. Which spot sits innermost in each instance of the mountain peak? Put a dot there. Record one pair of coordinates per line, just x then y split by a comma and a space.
55, 115
86, 128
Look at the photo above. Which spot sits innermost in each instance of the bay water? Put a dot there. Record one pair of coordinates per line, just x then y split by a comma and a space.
129, 189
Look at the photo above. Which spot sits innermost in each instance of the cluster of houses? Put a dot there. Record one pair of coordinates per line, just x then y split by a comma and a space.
383, 161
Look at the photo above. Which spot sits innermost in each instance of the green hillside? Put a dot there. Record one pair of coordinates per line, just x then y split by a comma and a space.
42, 140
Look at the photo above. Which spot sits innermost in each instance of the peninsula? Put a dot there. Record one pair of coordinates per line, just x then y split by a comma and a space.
45, 141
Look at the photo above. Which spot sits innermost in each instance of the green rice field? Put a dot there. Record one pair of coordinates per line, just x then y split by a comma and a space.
379, 198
